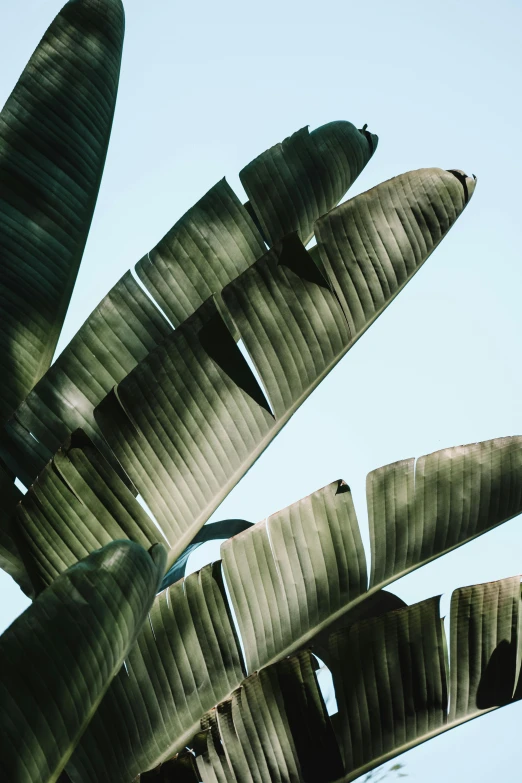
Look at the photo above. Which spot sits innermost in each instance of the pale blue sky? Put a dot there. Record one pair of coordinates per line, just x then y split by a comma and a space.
207, 86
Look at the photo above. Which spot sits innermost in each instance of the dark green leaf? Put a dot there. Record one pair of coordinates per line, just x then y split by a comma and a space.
185, 661
295, 182
54, 133
59, 657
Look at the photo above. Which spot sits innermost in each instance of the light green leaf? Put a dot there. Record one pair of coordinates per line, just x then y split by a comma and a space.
59, 657
54, 133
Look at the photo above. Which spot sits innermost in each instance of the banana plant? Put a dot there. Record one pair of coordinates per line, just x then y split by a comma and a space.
152, 414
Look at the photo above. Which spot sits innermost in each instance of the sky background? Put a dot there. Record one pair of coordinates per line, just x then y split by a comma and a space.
205, 87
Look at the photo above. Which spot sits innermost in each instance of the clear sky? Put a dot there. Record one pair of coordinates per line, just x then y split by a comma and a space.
206, 87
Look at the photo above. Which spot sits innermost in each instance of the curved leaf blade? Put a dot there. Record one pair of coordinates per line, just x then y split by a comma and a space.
60, 656
292, 579
420, 509
285, 592
54, 133
224, 529
403, 654
293, 183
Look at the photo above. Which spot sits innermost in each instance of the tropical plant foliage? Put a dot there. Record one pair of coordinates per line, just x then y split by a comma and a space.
154, 400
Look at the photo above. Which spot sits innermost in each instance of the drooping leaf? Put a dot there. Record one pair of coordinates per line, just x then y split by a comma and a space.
191, 419
54, 133
59, 657
293, 183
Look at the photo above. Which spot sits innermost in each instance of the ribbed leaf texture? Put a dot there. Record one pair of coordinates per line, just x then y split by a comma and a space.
293, 183
191, 418
290, 579
77, 505
185, 661
54, 133
303, 568
393, 690
59, 657
206, 249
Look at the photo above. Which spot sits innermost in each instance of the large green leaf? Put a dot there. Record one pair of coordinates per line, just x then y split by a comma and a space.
191, 418
54, 133
78, 503
59, 657
291, 578
393, 690
209, 246
121, 331
294, 574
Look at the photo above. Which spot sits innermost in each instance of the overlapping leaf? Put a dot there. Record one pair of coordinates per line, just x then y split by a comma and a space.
290, 578
54, 133
293, 183
185, 661
191, 419
209, 246
392, 685
59, 657
10, 558
402, 657
77, 505
296, 573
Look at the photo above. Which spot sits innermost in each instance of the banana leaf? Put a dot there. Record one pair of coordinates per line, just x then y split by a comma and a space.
54, 134
59, 657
